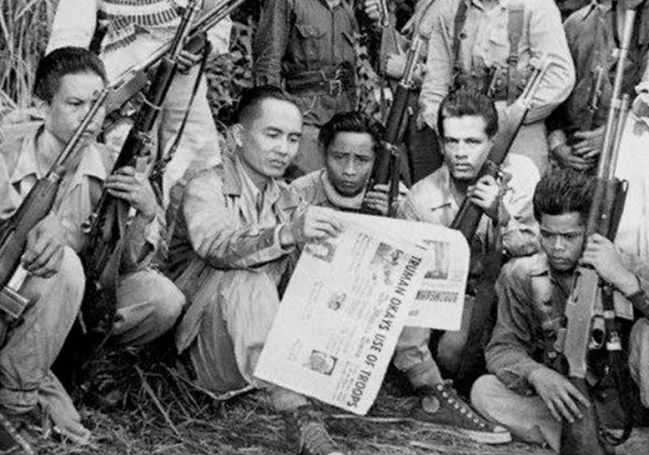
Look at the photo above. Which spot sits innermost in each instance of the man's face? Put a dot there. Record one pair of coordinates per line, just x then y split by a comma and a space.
466, 145
562, 239
71, 103
269, 141
349, 161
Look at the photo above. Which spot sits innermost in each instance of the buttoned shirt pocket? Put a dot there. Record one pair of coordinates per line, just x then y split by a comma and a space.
311, 42
497, 47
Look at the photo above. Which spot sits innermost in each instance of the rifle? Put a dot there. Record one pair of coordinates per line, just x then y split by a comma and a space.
36, 206
107, 225
389, 45
386, 165
135, 79
595, 95
583, 330
468, 217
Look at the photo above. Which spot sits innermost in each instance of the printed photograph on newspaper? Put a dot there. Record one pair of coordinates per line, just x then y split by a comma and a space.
342, 313
440, 298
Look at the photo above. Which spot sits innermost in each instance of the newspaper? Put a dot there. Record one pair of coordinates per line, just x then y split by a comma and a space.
440, 299
343, 311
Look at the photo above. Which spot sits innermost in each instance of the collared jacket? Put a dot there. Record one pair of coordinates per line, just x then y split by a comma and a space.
593, 45
430, 200
298, 37
78, 194
227, 225
484, 41
314, 188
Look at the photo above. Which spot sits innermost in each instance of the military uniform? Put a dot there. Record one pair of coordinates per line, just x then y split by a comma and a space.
308, 46
491, 49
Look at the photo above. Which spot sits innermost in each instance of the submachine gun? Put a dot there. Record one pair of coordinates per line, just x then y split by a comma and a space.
36, 206
590, 316
387, 163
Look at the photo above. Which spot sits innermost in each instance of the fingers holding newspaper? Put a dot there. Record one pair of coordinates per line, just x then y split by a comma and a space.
314, 223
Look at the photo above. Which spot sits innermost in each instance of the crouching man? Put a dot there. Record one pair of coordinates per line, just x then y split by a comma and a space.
242, 226
468, 122
350, 144
68, 81
522, 393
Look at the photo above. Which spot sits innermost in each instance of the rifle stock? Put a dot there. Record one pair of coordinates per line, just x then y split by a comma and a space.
468, 217
36, 206
590, 295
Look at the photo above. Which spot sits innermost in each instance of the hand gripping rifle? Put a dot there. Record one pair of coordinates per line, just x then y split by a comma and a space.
106, 228
467, 220
585, 330
135, 79
36, 206
386, 165
468, 217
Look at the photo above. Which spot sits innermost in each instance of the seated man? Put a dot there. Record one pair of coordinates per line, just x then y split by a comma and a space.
68, 81
467, 124
242, 225
349, 143
522, 393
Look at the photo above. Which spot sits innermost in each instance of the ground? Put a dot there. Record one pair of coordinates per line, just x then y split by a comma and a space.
138, 407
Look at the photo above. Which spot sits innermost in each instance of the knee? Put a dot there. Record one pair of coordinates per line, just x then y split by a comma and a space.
483, 393
168, 303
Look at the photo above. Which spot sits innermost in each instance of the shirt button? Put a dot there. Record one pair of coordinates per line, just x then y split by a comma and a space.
463, 35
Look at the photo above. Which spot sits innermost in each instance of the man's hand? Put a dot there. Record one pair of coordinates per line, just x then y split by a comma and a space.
135, 189
315, 223
560, 396
566, 157
377, 197
395, 65
186, 60
484, 194
44, 249
373, 9
588, 144
600, 253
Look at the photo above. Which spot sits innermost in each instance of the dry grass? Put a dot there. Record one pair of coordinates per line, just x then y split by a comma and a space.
23, 37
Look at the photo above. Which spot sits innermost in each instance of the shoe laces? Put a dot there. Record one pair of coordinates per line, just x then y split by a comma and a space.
447, 393
314, 438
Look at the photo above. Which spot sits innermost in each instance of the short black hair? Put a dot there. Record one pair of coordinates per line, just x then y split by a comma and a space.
350, 122
61, 62
563, 191
468, 102
252, 98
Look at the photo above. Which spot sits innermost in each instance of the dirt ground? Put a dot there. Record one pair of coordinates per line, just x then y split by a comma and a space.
135, 407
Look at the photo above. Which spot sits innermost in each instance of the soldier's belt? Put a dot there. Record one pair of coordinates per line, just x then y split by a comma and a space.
332, 83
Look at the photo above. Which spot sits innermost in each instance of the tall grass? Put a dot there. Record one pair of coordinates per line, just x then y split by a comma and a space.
24, 28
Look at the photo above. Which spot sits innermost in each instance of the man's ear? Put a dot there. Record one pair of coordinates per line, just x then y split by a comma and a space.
237, 134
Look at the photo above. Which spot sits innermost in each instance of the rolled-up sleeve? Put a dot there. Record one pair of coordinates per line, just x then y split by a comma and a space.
217, 236
74, 24
518, 227
270, 42
219, 35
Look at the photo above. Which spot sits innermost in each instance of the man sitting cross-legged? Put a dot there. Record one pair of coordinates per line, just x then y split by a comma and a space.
350, 144
241, 226
522, 393
467, 124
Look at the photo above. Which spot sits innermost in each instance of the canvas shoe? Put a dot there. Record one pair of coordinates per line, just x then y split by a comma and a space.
314, 439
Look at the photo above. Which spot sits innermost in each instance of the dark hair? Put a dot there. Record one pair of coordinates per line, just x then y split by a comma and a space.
252, 98
350, 122
61, 62
465, 102
563, 191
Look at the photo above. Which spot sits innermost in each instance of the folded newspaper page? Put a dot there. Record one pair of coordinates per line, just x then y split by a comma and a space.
343, 311
440, 299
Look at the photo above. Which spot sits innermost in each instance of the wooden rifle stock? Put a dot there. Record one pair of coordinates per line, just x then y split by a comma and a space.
36, 206
588, 289
468, 217
107, 223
